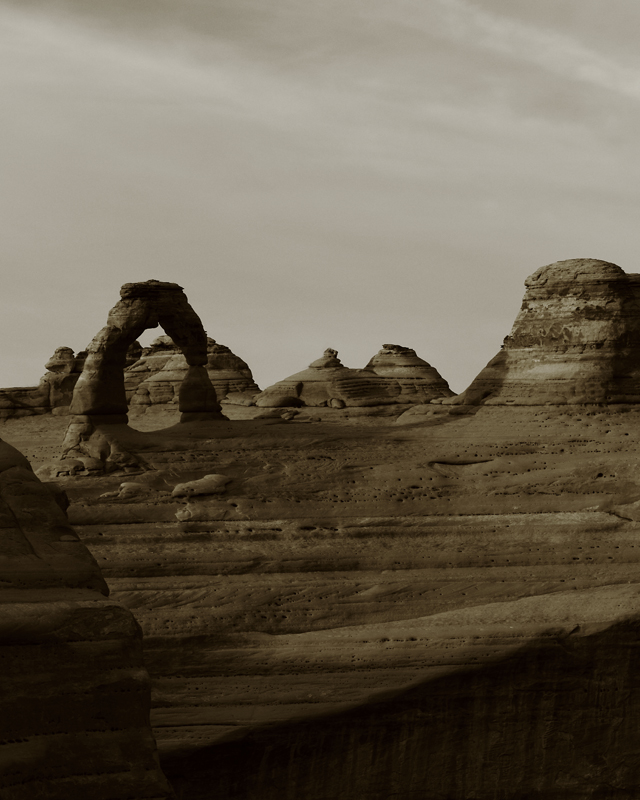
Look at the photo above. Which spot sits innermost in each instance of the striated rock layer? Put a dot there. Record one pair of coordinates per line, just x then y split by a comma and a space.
411, 379
447, 608
74, 695
575, 340
327, 382
156, 377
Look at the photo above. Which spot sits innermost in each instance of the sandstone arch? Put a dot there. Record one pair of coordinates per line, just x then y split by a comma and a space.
100, 389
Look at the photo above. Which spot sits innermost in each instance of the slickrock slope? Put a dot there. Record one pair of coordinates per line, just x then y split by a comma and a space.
444, 609
575, 340
327, 383
74, 707
156, 377
411, 378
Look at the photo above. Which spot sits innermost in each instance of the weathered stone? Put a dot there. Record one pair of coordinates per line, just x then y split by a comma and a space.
208, 484
100, 389
411, 378
324, 381
156, 377
54, 392
69, 658
576, 340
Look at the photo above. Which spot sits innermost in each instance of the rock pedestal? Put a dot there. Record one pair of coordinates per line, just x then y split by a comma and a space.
54, 392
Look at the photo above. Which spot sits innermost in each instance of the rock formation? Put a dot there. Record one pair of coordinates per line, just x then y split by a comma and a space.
99, 398
100, 389
327, 382
74, 694
411, 378
576, 340
54, 392
156, 377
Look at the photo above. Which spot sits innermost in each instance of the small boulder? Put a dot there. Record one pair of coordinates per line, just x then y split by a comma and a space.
210, 484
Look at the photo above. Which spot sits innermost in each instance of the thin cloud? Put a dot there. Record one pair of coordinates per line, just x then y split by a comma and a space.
557, 53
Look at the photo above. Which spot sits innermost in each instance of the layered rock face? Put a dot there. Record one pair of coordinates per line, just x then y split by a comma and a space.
54, 392
156, 377
74, 695
575, 340
411, 378
327, 382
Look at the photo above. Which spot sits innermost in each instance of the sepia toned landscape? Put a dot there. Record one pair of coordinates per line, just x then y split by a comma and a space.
353, 584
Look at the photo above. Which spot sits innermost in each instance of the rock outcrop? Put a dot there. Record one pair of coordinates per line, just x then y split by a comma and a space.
99, 398
54, 392
576, 340
100, 390
155, 378
411, 379
74, 694
327, 382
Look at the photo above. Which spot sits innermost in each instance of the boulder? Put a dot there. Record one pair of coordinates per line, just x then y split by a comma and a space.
576, 340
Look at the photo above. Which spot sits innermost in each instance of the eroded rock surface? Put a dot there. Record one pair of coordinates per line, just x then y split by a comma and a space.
54, 392
74, 707
575, 340
327, 383
99, 398
100, 390
447, 608
156, 377
411, 378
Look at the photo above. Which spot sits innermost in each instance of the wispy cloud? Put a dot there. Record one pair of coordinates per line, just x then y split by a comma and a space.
557, 53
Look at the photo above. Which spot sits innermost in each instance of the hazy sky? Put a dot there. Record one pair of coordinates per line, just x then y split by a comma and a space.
314, 173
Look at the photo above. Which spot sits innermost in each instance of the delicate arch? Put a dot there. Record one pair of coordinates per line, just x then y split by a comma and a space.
100, 388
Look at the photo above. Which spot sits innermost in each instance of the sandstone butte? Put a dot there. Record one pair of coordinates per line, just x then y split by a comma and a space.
444, 603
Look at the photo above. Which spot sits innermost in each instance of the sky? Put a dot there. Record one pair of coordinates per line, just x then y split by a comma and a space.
314, 173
